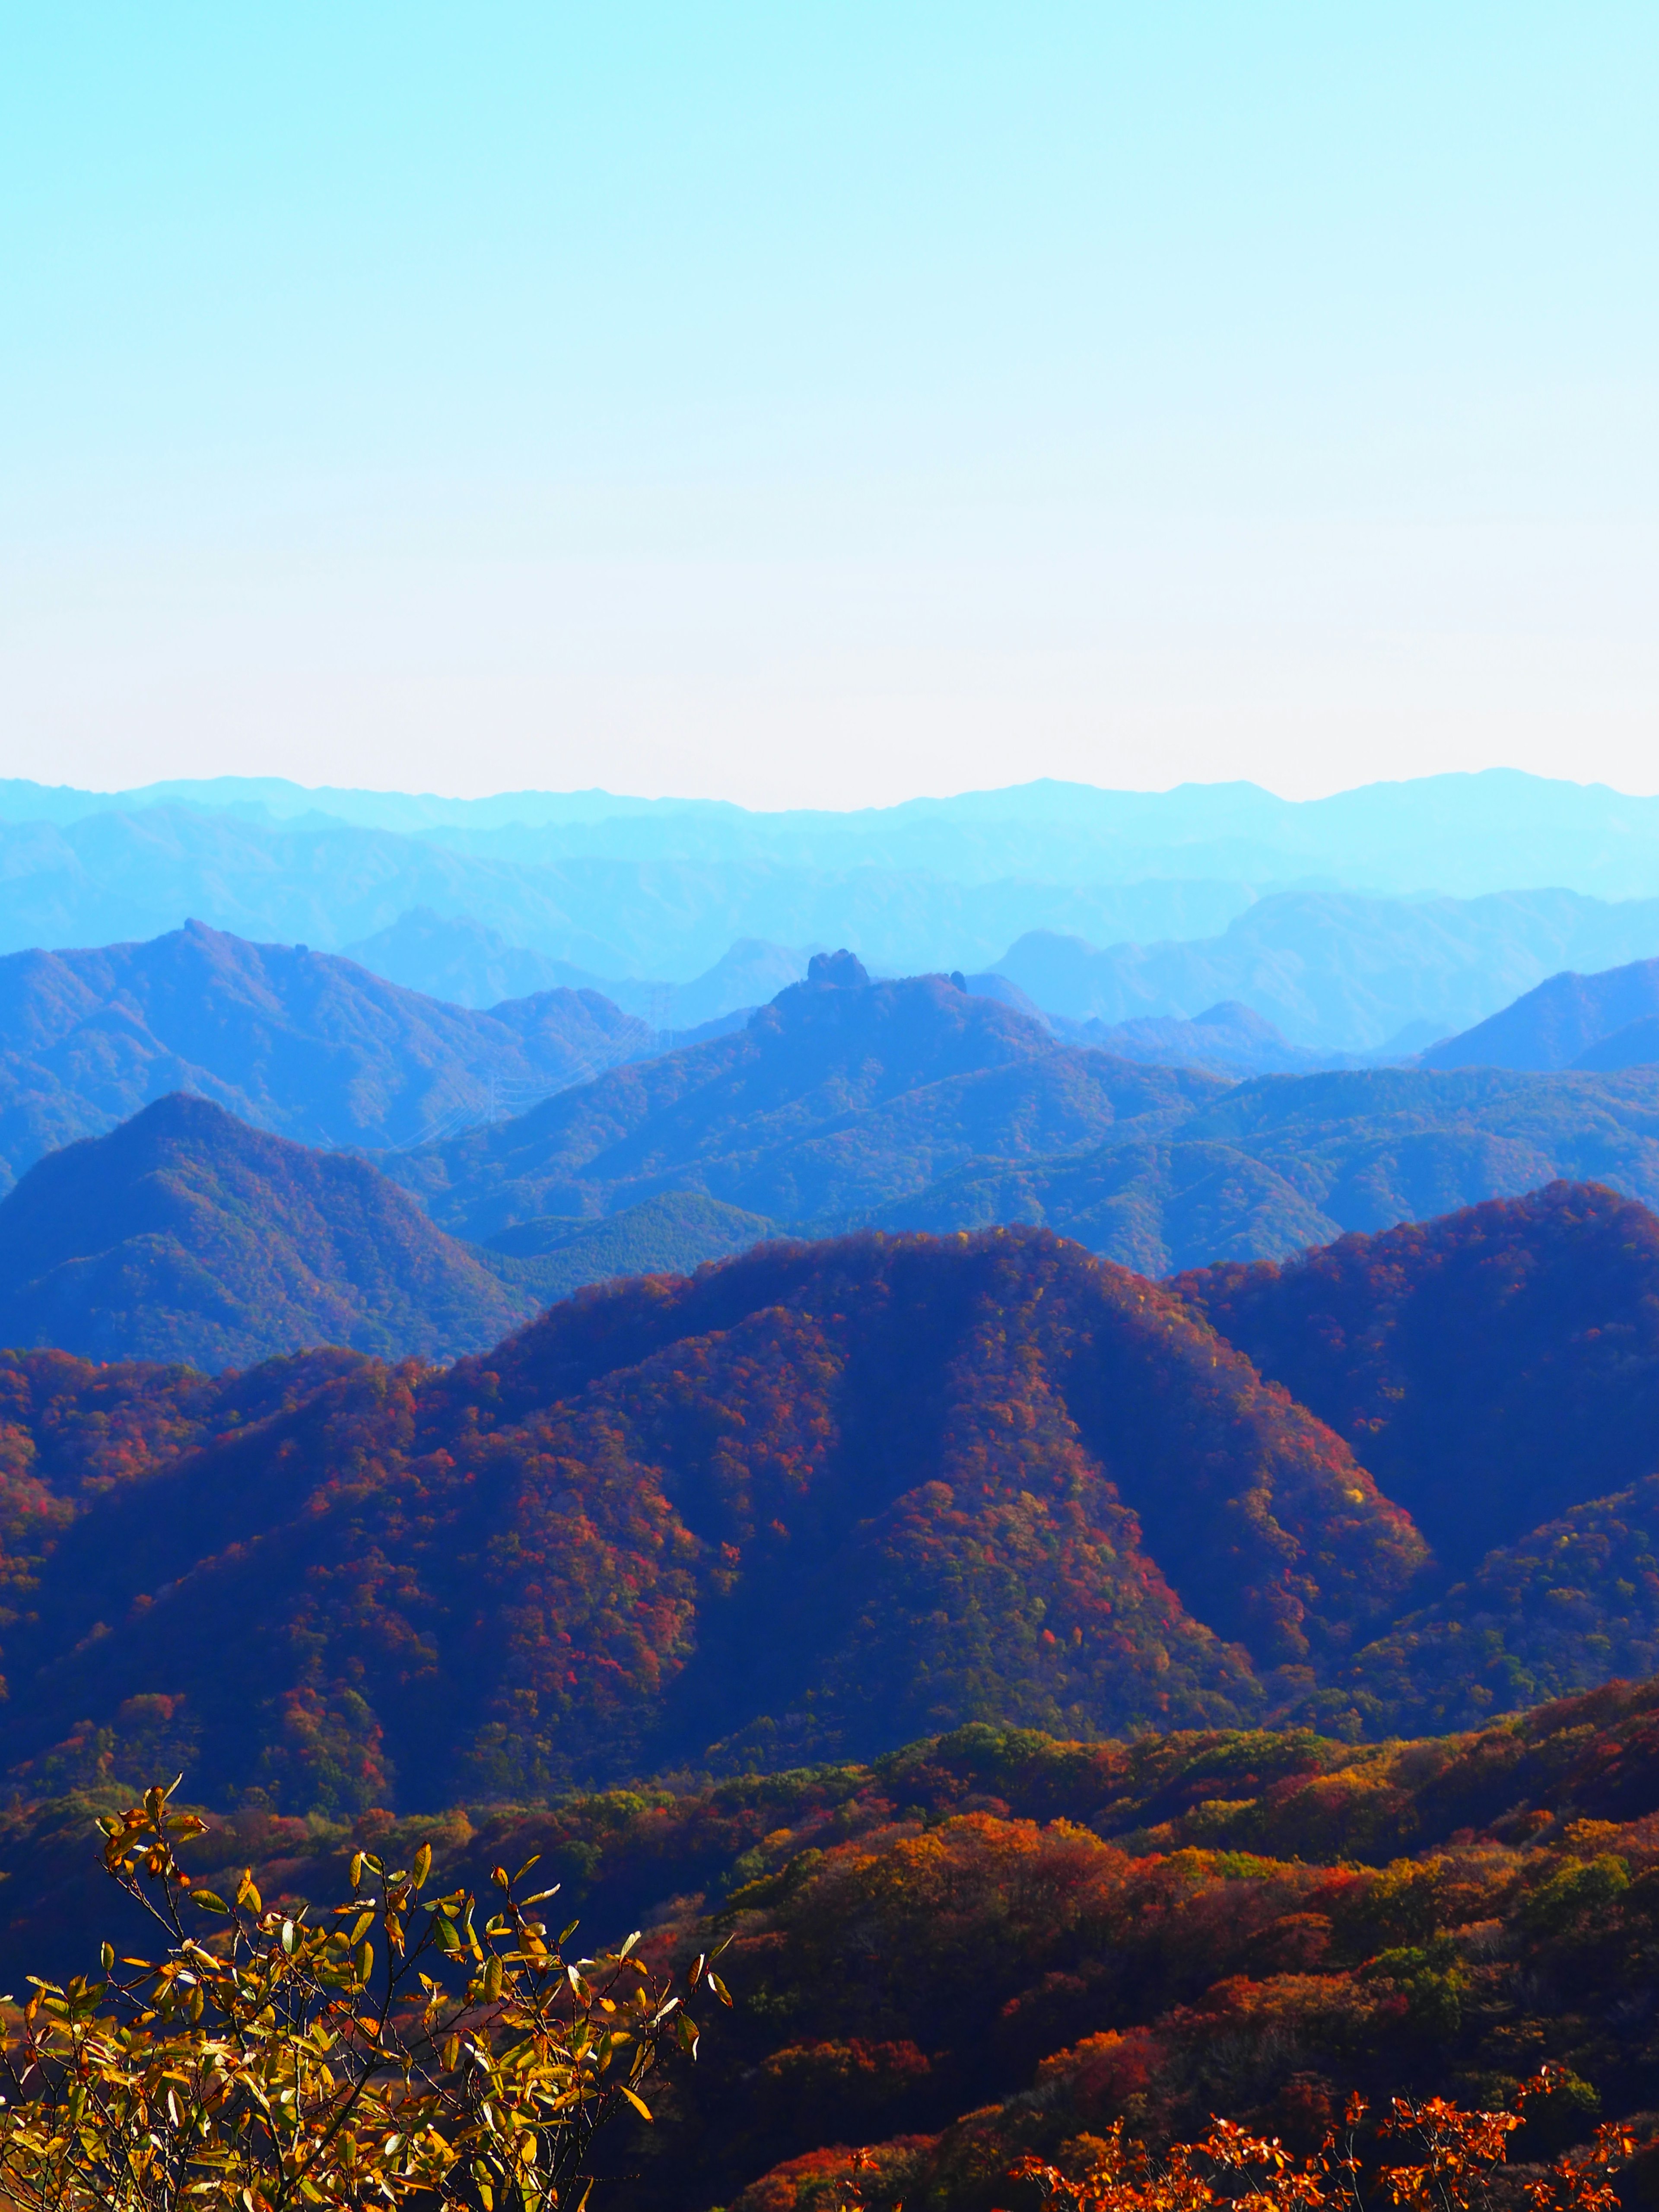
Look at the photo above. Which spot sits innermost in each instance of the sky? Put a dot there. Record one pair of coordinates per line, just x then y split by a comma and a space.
822, 404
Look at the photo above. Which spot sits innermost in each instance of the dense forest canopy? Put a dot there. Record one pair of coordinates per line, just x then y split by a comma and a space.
994, 1944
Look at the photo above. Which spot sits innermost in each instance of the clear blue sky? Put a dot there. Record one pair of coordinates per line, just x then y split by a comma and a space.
811, 402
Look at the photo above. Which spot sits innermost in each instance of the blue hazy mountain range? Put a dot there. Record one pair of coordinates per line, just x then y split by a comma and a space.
683, 914
906, 1104
1600, 1022
1462, 834
303, 1043
917, 1105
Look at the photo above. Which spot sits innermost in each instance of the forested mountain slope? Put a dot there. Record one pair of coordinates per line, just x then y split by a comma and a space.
839, 1096
804, 1503
1492, 1368
185, 1235
819, 1496
1281, 1162
303, 1043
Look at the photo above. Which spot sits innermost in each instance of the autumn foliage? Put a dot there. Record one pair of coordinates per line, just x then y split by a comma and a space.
396, 2047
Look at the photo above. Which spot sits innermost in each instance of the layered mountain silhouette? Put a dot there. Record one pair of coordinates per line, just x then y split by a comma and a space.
303, 1043
923, 1104
1338, 972
1605, 1021
1167, 883
462, 960
185, 1235
457, 957
816, 1496
841, 1095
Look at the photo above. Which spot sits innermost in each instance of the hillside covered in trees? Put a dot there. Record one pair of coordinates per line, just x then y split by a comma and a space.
993, 1942
185, 1235
918, 1104
1281, 1162
807, 1503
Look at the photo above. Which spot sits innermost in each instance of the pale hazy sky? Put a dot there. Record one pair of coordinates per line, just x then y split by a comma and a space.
828, 403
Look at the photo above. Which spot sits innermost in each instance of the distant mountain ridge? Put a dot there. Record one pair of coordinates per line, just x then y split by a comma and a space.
455, 957
1228, 1038
1605, 1021
1337, 972
640, 890
303, 1043
1463, 835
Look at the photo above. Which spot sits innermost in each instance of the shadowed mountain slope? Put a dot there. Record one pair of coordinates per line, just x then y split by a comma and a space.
303, 1043
185, 1235
1492, 1369
1566, 1022
1498, 1372
838, 1096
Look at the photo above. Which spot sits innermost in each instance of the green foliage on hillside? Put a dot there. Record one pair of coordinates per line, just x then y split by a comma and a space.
186, 1236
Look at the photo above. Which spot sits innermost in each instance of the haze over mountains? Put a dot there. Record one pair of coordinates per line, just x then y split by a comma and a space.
1359, 925
1460, 835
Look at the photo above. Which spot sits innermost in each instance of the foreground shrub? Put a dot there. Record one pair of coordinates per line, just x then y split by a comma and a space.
386, 2048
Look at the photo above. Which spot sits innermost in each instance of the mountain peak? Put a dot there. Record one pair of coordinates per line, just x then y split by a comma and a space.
842, 970
184, 1233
